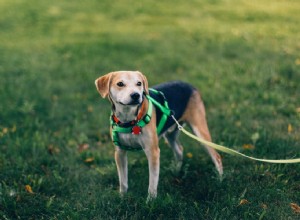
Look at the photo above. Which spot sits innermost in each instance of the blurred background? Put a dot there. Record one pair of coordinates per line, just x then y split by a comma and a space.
54, 131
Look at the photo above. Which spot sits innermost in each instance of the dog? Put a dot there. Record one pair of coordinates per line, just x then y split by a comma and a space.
130, 97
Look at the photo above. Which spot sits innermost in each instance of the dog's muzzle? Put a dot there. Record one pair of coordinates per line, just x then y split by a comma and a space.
135, 96
135, 99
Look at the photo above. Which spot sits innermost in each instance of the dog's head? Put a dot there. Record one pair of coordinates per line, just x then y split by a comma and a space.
123, 87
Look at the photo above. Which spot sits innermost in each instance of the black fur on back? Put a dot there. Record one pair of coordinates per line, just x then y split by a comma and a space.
177, 94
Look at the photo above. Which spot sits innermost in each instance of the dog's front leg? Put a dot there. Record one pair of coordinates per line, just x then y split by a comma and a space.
121, 161
153, 154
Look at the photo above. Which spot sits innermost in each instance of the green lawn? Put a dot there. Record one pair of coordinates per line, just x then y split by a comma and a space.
56, 157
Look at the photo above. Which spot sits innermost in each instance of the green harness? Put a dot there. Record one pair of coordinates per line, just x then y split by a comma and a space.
166, 112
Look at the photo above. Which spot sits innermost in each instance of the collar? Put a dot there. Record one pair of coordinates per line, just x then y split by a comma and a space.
141, 121
135, 126
140, 113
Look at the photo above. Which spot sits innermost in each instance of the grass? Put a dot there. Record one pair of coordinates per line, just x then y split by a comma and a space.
54, 129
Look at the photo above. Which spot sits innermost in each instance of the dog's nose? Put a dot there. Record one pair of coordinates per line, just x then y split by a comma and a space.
135, 96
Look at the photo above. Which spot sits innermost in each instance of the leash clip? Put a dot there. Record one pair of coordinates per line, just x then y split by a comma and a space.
178, 125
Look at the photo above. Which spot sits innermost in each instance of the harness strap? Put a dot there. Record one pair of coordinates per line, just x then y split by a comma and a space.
143, 122
165, 110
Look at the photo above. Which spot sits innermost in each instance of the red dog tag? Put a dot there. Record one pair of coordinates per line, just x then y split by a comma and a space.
136, 130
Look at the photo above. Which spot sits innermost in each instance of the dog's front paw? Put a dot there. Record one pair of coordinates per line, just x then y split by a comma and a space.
122, 194
123, 189
150, 198
152, 194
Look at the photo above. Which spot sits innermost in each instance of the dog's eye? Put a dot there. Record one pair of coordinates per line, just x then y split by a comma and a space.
139, 84
120, 84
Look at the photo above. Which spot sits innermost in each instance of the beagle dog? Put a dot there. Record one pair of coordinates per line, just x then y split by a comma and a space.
130, 97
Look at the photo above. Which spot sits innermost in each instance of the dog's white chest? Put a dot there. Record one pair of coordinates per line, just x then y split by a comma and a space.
134, 140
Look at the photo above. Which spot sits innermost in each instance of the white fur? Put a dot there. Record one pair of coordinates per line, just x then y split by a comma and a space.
122, 94
125, 111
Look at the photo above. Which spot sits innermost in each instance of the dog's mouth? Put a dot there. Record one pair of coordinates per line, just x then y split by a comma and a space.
132, 103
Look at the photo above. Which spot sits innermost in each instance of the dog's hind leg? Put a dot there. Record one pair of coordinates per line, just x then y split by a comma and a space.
121, 161
195, 117
177, 148
215, 156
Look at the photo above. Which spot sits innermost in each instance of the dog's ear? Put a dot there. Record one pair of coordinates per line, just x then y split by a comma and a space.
102, 84
145, 84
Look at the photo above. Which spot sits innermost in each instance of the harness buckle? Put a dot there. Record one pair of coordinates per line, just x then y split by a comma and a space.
147, 118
